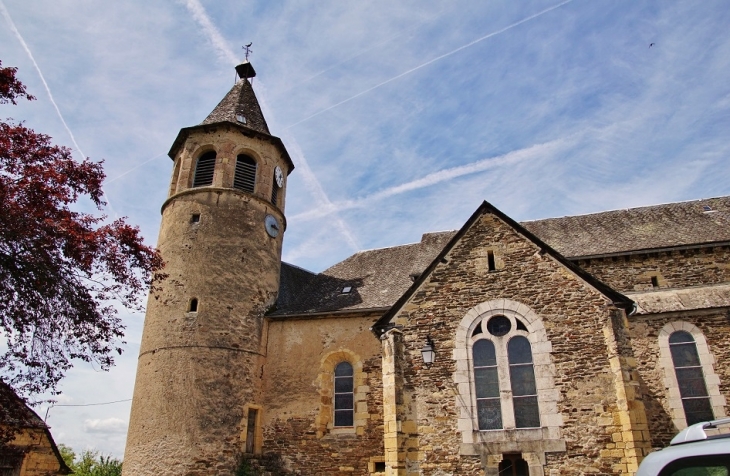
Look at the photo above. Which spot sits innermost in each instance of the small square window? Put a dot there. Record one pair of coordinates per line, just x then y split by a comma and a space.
195, 218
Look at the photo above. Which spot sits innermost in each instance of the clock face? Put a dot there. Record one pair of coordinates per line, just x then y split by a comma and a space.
272, 226
279, 176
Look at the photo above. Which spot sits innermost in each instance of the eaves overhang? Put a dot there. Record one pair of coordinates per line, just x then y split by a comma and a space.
248, 132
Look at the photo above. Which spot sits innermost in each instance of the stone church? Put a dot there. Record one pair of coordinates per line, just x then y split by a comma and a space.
562, 346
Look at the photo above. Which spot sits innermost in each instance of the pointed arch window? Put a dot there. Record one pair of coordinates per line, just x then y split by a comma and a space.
245, 176
204, 168
690, 377
344, 395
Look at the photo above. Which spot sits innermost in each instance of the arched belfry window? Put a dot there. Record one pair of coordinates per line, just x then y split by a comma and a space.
690, 377
204, 168
522, 378
245, 176
274, 192
344, 395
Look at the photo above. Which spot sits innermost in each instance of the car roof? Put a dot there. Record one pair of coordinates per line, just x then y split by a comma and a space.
692, 441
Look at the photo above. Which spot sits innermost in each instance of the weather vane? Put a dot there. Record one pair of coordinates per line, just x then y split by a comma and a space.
248, 49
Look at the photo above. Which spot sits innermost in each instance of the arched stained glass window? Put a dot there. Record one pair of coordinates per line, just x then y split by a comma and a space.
344, 395
522, 378
691, 380
245, 176
204, 168
486, 383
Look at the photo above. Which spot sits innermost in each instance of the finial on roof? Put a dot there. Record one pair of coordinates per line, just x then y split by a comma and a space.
245, 70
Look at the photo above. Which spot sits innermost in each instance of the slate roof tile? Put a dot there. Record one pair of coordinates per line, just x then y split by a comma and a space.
379, 277
241, 99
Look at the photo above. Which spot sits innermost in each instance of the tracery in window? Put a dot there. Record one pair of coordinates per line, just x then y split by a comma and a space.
504, 351
344, 395
691, 380
204, 168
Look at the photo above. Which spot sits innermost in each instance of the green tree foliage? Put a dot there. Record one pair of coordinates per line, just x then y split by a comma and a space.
90, 463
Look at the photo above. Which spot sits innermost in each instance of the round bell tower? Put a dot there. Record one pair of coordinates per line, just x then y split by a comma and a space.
201, 357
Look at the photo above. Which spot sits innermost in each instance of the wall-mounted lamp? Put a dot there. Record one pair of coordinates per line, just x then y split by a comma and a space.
428, 353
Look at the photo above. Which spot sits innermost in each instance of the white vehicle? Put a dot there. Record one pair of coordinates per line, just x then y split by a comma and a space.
692, 453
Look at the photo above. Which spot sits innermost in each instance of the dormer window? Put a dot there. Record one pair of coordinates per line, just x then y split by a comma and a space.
204, 168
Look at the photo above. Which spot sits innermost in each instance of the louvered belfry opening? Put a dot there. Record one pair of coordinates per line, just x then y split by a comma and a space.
274, 192
245, 177
204, 170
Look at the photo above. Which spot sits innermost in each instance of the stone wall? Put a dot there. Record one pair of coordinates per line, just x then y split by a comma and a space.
672, 269
201, 357
297, 402
39, 457
662, 414
603, 425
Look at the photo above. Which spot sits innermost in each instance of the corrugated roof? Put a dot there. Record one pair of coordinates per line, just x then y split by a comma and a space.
379, 277
240, 100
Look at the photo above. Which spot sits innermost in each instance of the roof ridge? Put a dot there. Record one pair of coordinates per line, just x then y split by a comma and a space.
642, 207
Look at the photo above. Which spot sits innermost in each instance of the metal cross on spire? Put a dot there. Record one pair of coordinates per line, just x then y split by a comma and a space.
248, 49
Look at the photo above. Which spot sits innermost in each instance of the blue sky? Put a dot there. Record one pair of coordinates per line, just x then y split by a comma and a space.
401, 117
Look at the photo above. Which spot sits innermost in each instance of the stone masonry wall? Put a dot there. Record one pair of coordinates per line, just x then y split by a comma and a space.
298, 395
39, 459
715, 326
200, 357
596, 422
673, 269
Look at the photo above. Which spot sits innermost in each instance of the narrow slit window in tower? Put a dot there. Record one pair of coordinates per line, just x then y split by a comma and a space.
193, 305
251, 430
490, 260
655, 281
245, 177
204, 168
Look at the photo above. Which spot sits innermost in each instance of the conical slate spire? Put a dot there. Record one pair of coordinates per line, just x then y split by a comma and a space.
240, 106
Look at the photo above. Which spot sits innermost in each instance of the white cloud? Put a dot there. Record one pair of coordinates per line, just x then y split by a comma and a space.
105, 426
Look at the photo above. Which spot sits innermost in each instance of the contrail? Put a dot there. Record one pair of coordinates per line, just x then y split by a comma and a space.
133, 169
310, 180
490, 35
357, 55
10, 21
214, 35
6, 14
434, 178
